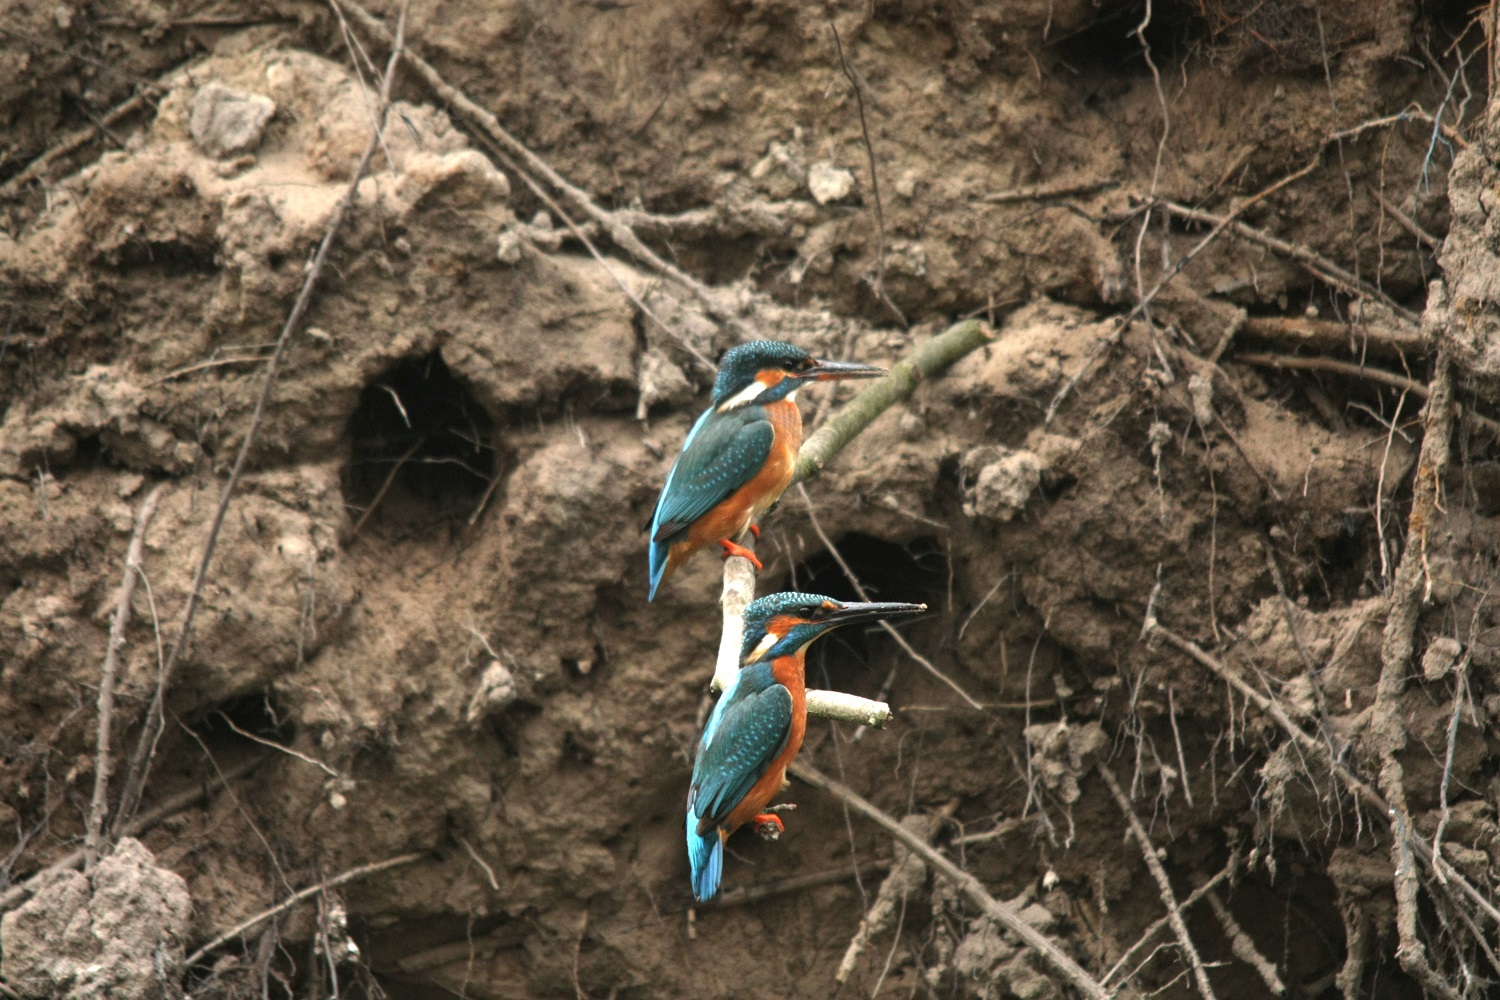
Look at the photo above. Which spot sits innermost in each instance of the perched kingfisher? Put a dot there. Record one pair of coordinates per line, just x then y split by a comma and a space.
757, 726
741, 455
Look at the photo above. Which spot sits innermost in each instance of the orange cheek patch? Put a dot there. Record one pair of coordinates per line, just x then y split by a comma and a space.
781, 625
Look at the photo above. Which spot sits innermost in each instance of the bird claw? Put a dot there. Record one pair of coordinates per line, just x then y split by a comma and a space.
734, 549
755, 530
768, 826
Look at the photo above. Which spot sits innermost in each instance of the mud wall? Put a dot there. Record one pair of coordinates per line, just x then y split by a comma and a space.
428, 594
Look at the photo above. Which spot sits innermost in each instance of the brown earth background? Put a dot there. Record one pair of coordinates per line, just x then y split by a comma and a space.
423, 630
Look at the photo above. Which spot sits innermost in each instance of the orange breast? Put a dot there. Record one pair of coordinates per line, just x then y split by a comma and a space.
789, 671
730, 518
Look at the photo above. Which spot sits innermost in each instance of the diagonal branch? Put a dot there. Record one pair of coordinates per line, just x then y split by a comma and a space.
859, 588
490, 126
931, 359
103, 759
140, 761
1163, 883
1006, 916
302, 894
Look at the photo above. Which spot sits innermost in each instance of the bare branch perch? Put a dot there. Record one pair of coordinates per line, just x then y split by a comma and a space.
932, 358
1053, 955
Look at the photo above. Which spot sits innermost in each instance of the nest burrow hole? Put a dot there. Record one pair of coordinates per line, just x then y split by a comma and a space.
421, 450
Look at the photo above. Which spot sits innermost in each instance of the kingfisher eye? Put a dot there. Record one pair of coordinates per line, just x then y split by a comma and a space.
811, 611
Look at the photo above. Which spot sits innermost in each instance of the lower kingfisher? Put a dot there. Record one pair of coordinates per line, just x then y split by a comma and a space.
757, 726
741, 455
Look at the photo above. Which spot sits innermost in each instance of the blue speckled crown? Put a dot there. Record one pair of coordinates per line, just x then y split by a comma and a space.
739, 365
761, 610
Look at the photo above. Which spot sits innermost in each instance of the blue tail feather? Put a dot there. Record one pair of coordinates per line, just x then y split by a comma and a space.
706, 856
659, 552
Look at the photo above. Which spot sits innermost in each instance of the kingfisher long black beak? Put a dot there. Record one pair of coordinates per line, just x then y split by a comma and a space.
829, 371
855, 611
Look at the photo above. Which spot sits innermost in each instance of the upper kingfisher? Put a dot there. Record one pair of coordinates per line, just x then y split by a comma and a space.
741, 455
757, 726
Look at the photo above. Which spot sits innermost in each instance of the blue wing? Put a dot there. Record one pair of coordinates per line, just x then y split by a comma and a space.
749, 727
723, 452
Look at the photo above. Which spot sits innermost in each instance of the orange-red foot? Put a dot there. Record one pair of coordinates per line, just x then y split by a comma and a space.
733, 549
755, 530
768, 826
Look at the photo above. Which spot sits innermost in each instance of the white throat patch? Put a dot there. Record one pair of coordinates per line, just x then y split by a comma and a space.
744, 397
762, 648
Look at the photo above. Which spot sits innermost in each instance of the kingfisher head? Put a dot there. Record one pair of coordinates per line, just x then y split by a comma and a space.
764, 371
782, 624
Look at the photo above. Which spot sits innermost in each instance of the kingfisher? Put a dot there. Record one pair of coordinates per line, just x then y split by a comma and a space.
741, 455
757, 727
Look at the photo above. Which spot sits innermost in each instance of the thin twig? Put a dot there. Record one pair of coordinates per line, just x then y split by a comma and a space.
103, 758
1319, 265
1045, 192
203, 366
864, 129
83, 137
1353, 370
1163, 883
859, 588
390, 477
1044, 946
1406, 222
746, 894
245, 926
1161, 923
278, 747
140, 761
489, 872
